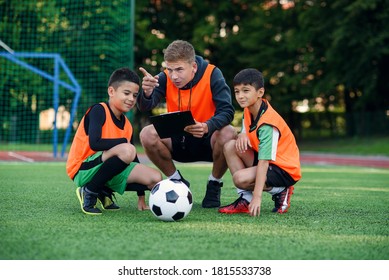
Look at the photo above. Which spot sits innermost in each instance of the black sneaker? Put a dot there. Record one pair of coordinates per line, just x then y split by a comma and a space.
282, 200
106, 200
183, 179
212, 195
88, 201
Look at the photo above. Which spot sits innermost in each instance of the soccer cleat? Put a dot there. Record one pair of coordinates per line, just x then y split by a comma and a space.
240, 205
88, 201
282, 200
106, 200
212, 195
186, 182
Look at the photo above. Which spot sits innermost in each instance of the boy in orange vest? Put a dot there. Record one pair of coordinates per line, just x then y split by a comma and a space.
102, 160
265, 156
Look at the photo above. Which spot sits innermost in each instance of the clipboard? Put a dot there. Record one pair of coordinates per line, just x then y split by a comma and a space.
172, 124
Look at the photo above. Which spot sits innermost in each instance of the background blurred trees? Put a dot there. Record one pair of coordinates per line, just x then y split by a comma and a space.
326, 63
329, 56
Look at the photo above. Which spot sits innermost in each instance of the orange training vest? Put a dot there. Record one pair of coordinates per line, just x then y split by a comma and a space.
288, 156
80, 149
199, 102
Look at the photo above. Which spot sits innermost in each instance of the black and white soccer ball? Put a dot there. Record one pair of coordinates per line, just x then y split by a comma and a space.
170, 200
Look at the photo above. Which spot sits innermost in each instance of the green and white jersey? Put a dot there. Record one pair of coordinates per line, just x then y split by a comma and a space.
268, 141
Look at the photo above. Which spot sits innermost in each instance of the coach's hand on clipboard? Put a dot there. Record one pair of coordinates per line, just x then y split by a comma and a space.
197, 130
149, 82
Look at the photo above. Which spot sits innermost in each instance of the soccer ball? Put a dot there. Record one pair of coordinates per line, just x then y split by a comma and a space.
170, 200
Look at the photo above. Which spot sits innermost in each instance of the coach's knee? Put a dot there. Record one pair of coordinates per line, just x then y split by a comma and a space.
225, 134
148, 136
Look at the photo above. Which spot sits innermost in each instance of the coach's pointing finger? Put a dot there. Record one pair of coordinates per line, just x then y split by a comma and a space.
144, 72
149, 82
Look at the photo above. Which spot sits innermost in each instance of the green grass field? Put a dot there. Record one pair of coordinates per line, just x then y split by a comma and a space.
338, 213
374, 146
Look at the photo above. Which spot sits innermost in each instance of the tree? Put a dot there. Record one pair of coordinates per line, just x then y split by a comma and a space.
351, 41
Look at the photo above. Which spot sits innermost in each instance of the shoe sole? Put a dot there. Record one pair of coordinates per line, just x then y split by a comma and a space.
206, 204
78, 192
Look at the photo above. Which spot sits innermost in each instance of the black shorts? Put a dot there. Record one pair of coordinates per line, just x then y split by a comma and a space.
190, 149
276, 176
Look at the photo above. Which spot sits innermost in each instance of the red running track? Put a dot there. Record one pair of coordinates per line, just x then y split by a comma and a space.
335, 159
305, 157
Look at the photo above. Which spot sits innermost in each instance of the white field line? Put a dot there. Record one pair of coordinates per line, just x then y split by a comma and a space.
23, 158
8, 49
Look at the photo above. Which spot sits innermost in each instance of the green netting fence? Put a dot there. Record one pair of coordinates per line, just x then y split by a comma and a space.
47, 50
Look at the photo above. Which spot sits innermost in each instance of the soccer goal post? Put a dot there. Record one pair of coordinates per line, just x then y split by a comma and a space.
31, 111
49, 51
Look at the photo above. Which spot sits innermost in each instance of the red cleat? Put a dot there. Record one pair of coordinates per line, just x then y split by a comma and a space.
282, 200
240, 205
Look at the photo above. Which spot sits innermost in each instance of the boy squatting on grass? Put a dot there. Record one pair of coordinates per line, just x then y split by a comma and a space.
102, 159
265, 156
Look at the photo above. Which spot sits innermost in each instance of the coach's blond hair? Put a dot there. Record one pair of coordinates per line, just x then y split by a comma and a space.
180, 50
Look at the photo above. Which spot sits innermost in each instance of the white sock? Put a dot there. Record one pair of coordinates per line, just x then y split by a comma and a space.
175, 176
276, 190
248, 195
211, 178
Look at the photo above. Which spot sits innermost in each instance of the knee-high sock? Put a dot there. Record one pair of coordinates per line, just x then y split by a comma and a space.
139, 188
108, 170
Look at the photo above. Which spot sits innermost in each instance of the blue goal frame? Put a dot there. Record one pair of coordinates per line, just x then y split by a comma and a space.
57, 82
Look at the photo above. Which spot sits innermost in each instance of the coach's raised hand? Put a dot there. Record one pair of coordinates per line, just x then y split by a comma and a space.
149, 82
